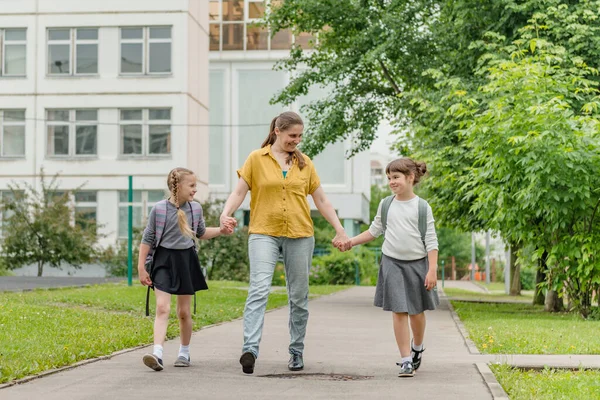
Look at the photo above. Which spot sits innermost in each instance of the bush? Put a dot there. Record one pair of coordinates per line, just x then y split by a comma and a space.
114, 258
339, 268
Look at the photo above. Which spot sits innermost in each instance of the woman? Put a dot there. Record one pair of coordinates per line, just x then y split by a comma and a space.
280, 178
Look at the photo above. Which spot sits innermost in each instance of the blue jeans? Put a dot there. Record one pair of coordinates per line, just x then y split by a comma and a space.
264, 252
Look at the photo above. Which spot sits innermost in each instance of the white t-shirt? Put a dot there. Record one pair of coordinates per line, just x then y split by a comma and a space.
402, 237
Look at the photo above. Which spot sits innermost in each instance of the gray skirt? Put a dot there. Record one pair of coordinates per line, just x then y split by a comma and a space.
401, 286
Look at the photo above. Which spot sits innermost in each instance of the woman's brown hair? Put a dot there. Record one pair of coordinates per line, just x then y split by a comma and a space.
282, 122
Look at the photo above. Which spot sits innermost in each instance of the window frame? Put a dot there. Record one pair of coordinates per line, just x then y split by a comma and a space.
72, 42
85, 204
4, 123
3, 51
72, 125
146, 41
145, 124
145, 204
247, 22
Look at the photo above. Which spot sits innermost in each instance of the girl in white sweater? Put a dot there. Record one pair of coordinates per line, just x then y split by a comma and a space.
407, 279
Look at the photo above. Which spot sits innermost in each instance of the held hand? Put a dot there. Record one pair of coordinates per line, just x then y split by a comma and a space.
227, 224
225, 230
431, 279
341, 241
144, 277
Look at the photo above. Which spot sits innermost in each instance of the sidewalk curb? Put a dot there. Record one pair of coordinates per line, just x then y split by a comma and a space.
494, 387
68, 367
461, 328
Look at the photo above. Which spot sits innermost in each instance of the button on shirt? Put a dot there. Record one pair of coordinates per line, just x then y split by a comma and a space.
278, 205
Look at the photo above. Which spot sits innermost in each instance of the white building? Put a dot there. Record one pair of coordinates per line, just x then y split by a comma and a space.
242, 82
100, 90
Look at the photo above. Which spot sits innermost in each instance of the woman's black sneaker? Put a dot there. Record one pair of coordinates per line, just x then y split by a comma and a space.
406, 369
247, 360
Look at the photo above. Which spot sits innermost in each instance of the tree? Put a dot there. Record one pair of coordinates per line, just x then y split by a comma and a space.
536, 148
39, 229
224, 257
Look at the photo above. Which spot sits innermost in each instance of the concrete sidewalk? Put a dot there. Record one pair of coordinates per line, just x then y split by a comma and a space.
347, 335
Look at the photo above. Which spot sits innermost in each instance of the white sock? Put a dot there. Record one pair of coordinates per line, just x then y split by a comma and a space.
406, 359
184, 351
417, 348
158, 351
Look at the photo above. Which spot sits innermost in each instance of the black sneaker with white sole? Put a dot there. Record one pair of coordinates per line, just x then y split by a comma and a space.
406, 369
153, 362
416, 355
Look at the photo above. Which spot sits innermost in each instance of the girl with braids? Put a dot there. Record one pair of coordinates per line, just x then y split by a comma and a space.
175, 267
280, 178
407, 279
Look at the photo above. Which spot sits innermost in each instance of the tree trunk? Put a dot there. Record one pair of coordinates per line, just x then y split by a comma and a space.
539, 298
515, 268
40, 268
553, 303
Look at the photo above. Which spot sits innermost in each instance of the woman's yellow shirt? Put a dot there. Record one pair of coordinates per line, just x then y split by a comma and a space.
278, 205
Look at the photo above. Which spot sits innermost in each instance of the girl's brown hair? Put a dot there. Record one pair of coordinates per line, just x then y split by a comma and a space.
407, 166
173, 181
282, 122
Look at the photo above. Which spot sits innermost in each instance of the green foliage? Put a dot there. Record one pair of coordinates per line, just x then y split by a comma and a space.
453, 243
225, 257
39, 230
524, 329
339, 268
114, 258
548, 384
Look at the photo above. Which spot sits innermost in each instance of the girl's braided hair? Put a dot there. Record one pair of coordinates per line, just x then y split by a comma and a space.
173, 182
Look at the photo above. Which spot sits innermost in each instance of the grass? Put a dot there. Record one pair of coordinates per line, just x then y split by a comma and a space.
476, 296
548, 384
46, 329
493, 286
526, 329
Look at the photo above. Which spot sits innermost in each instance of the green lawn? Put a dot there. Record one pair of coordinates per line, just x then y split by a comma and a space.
549, 384
46, 329
476, 296
527, 329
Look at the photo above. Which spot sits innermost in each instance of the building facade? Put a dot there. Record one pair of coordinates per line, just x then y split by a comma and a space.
242, 81
100, 90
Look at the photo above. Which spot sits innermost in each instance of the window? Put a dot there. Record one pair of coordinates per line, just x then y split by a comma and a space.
143, 200
72, 132
68, 46
12, 133
13, 45
5, 214
146, 50
85, 209
145, 132
234, 25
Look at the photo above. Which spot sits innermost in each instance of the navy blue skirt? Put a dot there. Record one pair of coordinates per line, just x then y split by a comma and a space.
177, 271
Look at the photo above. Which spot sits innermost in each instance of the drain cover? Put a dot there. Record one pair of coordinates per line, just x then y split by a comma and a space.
320, 377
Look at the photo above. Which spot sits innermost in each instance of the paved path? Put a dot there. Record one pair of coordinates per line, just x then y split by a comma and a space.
18, 283
346, 336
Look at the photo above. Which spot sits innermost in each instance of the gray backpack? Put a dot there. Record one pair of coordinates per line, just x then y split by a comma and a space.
387, 202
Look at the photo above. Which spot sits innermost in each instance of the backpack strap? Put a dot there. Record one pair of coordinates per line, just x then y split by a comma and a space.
385, 207
196, 215
423, 220
160, 220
